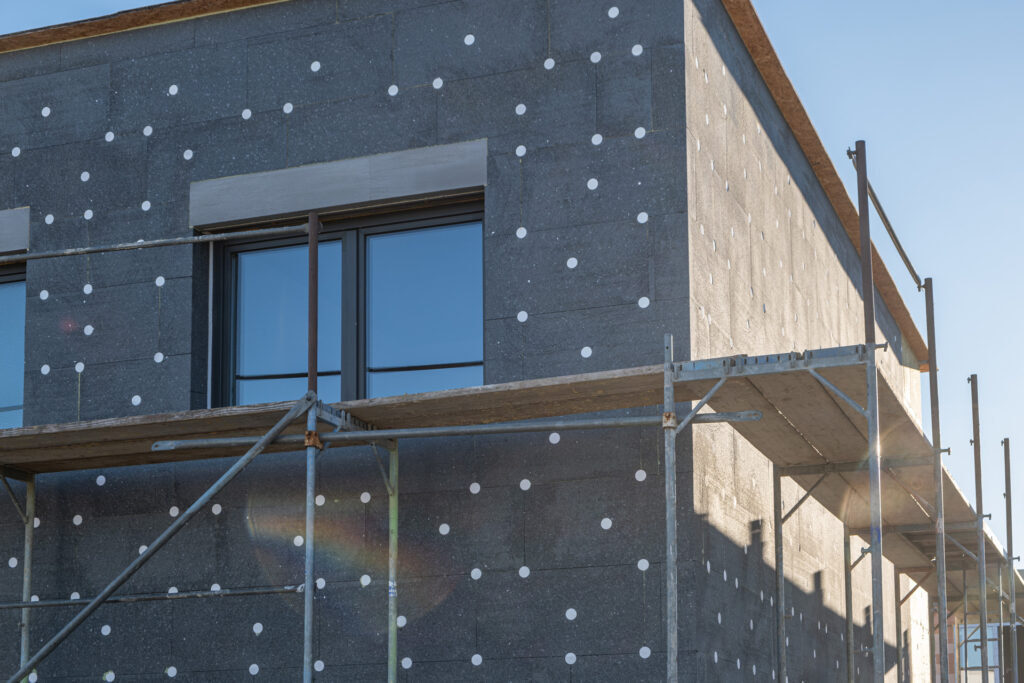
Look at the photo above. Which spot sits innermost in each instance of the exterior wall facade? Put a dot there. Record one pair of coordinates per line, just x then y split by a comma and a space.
772, 270
578, 72
611, 94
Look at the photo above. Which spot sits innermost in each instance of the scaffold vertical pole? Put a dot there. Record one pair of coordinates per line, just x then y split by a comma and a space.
874, 454
1013, 664
312, 441
933, 632
308, 585
671, 534
26, 570
848, 576
980, 504
312, 303
393, 563
940, 506
780, 576
899, 624
999, 633
962, 664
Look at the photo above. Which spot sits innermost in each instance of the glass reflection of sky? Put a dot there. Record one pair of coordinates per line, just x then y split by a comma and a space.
424, 300
272, 322
12, 353
424, 307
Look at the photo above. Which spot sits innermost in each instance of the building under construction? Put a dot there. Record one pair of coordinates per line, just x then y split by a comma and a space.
465, 340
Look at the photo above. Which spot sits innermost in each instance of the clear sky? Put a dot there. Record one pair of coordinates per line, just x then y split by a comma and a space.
16, 15
936, 90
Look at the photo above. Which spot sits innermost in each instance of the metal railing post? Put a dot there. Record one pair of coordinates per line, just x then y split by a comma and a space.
874, 454
669, 425
848, 576
393, 563
312, 440
980, 504
780, 576
310, 536
999, 633
26, 570
1013, 664
899, 624
963, 640
940, 506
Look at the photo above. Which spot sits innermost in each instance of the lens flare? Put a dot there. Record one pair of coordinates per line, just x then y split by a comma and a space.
351, 541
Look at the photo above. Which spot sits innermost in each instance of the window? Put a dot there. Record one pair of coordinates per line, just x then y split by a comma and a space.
12, 342
400, 309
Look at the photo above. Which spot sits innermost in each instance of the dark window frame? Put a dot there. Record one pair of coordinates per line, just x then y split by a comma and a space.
353, 232
17, 273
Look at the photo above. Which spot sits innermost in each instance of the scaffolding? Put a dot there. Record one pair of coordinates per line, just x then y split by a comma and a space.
814, 415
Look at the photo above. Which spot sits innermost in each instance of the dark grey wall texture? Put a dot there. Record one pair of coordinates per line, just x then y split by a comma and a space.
148, 112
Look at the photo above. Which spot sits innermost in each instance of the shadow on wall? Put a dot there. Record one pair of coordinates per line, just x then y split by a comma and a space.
738, 623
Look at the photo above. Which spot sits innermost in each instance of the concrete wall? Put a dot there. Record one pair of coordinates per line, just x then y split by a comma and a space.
542, 498
644, 266
771, 270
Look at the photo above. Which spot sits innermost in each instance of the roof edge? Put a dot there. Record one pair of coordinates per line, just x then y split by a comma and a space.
164, 13
748, 25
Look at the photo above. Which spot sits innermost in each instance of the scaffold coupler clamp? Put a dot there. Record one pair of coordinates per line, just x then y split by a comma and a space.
313, 439
668, 421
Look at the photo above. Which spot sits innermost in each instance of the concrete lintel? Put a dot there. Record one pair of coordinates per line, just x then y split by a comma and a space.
14, 225
316, 187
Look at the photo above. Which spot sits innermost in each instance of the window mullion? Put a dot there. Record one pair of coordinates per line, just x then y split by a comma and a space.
351, 342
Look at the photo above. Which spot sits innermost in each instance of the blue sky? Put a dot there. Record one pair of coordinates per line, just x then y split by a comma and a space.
935, 89
20, 16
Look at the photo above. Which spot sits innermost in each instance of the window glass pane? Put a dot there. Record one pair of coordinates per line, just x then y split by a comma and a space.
418, 381
425, 297
10, 419
249, 391
12, 348
272, 320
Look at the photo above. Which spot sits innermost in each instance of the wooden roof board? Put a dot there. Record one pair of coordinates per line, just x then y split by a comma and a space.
773, 434
799, 394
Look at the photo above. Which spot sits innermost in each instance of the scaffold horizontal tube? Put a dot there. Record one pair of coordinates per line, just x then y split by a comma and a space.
378, 435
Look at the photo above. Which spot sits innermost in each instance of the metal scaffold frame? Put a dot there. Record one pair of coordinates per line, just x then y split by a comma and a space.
706, 379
